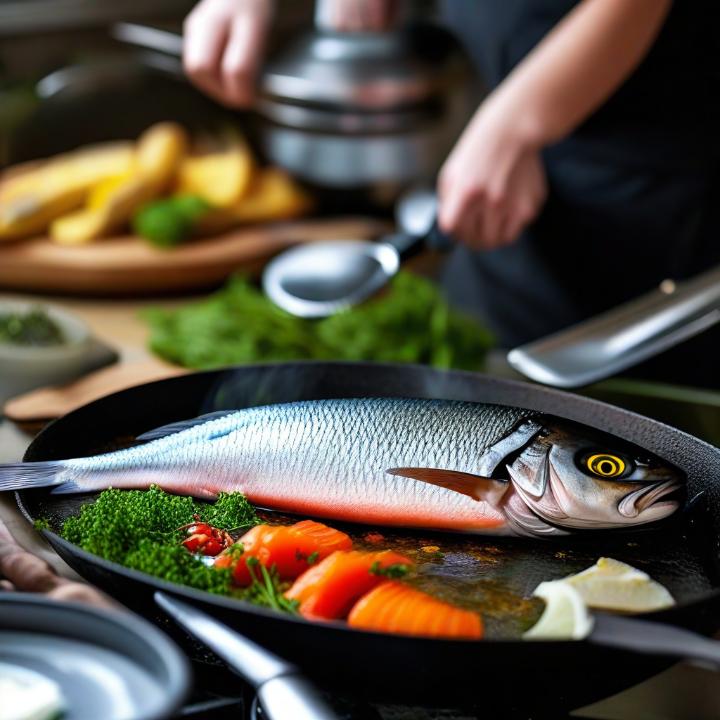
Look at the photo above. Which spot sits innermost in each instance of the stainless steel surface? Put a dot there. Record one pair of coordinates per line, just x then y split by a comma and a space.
108, 664
384, 164
416, 212
369, 71
283, 692
320, 279
354, 111
623, 337
77, 80
653, 638
148, 37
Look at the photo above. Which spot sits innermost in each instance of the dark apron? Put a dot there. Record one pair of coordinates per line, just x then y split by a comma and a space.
634, 193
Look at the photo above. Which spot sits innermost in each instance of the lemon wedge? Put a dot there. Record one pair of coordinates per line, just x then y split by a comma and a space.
565, 616
617, 586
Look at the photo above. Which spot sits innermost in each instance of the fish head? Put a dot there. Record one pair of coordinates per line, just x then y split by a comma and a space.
572, 478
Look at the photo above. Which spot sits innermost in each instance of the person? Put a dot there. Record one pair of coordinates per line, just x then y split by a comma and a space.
587, 175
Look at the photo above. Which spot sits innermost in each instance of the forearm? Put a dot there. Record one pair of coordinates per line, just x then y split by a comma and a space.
576, 67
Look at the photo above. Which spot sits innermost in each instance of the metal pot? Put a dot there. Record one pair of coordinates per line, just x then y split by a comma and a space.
365, 111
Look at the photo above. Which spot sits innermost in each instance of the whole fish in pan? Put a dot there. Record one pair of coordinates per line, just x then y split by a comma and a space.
433, 464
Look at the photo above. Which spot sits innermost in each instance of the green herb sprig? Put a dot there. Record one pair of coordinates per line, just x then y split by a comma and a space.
267, 589
394, 571
410, 322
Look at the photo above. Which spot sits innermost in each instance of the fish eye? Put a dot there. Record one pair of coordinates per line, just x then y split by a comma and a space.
605, 465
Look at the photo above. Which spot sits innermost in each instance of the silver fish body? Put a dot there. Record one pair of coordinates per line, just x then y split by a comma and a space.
404, 462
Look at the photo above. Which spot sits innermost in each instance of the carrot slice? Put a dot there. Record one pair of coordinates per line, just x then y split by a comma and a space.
329, 590
397, 608
290, 548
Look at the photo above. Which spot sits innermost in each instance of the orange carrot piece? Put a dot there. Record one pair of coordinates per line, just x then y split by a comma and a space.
290, 548
393, 607
330, 589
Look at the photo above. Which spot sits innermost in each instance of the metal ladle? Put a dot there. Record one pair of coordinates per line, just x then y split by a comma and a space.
319, 279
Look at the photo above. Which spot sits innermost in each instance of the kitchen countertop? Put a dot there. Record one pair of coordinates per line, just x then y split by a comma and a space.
681, 693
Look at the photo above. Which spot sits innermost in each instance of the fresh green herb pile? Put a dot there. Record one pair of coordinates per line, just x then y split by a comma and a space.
34, 327
411, 322
139, 529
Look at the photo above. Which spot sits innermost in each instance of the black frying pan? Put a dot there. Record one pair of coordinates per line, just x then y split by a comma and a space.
495, 674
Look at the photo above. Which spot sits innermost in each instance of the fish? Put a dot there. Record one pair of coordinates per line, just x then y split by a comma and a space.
433, 464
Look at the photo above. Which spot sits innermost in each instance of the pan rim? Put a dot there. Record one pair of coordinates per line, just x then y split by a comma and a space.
470, 375
488, 380
177, 668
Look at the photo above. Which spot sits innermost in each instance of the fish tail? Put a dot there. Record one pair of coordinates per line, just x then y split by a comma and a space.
21, 476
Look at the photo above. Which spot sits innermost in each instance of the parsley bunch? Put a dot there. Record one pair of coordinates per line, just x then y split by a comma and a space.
410, 322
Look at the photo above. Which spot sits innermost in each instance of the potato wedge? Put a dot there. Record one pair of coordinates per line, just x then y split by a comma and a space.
221, 178
112, 203
274, 195
31, 198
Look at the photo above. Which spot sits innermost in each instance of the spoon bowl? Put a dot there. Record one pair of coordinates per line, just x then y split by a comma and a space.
320, 279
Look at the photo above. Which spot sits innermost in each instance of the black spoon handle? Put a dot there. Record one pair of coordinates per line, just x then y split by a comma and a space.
652, 638
410, 245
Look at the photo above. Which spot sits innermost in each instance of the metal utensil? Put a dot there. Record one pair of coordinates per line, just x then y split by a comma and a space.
282, 690
315, 280
148, 38
108, 664
368, 113
625, 336
653, 638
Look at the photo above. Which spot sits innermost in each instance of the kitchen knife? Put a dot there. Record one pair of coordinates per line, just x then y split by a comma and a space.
625, 336
653, 638
281, 689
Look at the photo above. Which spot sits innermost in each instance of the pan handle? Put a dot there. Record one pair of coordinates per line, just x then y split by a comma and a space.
292, 697
653, 638
283, 693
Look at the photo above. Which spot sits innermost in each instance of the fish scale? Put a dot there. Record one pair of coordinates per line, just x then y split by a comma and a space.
326, 457
389, 461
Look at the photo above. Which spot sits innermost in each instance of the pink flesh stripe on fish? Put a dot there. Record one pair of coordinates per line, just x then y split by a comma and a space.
465, 514
367, 460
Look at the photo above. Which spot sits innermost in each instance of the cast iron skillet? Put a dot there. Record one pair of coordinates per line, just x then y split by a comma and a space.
495, 674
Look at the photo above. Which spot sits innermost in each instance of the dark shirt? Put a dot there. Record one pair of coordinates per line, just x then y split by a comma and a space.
634, 192
666, 114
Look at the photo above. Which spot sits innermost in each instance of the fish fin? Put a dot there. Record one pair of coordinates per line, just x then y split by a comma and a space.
495, 454
69, 487
530, 470
475, 486
21, 475
180, 425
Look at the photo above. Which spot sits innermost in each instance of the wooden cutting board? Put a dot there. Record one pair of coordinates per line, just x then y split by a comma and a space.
127, 265
38, 407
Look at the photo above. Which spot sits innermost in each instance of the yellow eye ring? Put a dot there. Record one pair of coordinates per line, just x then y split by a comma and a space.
605, 465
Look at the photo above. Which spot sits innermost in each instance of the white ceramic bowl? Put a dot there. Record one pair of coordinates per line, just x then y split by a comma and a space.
24, 368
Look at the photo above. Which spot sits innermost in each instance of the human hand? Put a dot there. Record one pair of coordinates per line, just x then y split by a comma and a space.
223, 46
23, 571
493, 183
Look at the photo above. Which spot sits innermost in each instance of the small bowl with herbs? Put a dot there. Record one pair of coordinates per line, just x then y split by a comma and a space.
39, 345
